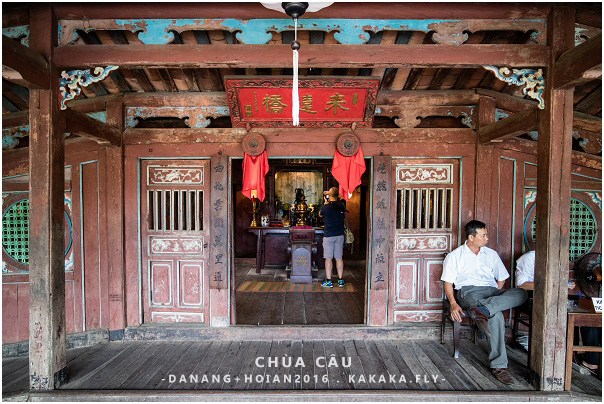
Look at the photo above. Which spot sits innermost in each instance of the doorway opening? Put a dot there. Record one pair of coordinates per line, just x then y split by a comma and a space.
264, 292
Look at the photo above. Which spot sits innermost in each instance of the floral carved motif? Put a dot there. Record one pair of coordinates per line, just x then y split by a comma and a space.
424, 174
176, 245
71, 81
424, 244
185, 175
533, 81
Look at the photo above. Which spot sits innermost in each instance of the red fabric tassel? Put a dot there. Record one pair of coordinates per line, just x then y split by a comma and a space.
348, 171
254, 170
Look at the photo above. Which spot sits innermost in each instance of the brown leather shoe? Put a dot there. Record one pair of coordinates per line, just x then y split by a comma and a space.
502, 375
481, 320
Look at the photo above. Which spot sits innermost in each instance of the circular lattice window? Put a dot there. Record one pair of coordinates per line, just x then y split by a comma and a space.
583, 229
15, 231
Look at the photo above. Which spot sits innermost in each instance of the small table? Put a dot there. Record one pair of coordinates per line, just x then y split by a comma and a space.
579, 317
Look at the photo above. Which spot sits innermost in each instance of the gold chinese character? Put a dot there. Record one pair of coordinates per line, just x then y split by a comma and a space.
248, 110
355, 98
336, 100
306, 104
273, 104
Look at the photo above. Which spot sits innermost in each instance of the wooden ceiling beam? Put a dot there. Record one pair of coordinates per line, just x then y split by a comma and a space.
84, 126
250, 10
517, 124
510, 103
580, 64
316, 56
23, 66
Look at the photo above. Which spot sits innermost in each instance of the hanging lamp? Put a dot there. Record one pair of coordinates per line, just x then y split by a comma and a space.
295, 10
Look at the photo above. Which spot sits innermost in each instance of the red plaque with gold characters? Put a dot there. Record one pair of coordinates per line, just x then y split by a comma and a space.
266, 102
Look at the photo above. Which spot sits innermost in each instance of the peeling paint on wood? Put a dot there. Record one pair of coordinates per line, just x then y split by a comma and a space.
258, 31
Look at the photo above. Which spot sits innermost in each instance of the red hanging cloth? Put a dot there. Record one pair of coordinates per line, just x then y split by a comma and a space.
348, 171
254, 170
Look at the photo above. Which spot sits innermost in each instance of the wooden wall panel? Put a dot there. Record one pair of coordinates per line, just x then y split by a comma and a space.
90, 240
10, 316
503, 238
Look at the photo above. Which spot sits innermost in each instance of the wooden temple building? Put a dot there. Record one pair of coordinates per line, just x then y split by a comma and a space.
123, 135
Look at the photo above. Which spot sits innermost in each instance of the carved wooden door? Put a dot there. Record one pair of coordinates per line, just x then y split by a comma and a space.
426, 209
174, 240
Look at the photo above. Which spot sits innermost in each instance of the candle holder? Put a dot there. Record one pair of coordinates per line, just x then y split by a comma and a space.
254, 209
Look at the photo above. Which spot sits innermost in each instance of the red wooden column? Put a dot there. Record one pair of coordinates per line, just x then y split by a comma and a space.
548, 339
219, 242
114, 213
381, 246
46, 231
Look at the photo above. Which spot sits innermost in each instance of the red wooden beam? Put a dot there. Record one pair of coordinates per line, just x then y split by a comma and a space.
248, 10
279, 56
519, 123
25, 67
580, 64
84, 126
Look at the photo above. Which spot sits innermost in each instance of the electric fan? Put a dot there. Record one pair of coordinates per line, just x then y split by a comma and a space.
588, 272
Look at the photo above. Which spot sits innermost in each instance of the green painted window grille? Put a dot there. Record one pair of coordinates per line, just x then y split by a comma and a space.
583, 229
15, 231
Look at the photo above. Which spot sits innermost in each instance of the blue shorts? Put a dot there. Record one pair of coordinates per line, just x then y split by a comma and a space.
332, 247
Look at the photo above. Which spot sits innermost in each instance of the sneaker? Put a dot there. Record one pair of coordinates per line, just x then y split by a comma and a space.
327, 283
341, 283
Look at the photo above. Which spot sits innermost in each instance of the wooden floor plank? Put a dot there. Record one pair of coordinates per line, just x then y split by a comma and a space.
272, 313
211, 368
379, 364
308, 382
320, 370
133, 366
335, 374
345, 371
369, 365
225, 365
417, 370
258, 376
483, 382
332, 309
350, 310
390, 365
176, 365
247, 367
293, 312
431, 370
80, 371
394, 353
236, 365
201, 349
15, 365
297, 371
357, 369
314, 309
277, 374
478, 355
157, 369
251, 312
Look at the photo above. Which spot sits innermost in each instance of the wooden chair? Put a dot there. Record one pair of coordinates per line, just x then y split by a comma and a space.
467, 323
523, 315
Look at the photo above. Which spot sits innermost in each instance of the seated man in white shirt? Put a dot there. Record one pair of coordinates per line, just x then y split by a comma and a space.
479, 275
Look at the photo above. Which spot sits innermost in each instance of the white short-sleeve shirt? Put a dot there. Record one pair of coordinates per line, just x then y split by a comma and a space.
464, 268
525, 268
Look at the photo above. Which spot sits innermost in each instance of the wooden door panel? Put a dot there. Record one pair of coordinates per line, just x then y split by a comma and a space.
426, 212
161, 283
190, 278
174, 233
406, 281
